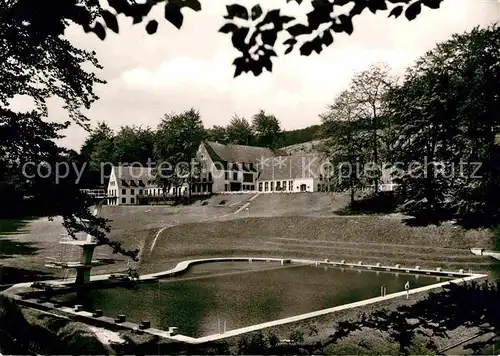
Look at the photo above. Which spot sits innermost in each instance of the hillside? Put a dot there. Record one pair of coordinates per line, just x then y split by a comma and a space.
305, 147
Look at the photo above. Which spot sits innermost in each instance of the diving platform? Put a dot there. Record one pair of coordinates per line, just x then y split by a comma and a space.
88, 244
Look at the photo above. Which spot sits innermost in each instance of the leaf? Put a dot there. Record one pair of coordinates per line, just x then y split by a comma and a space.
269, 37
229, 27
433, 4
289, 49
192, 4
413, 10
240, 63
267, 64
320, 14
99, 31
256, 68
110, 20
173, 15
346, 23
306, 48
238, 38
236, 10
270, 53
290, 41
152, 27
286, 19
375, 5
256, 12
327, 38
298, 29
297, 1
317, 44
396, 11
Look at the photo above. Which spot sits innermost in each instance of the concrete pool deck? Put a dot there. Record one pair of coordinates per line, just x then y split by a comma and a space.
16, 292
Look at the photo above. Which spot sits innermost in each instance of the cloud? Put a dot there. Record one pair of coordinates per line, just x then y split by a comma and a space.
175, 70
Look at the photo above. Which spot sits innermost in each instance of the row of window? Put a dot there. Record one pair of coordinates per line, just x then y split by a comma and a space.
196, 188
247, 177
280, 186
112, 192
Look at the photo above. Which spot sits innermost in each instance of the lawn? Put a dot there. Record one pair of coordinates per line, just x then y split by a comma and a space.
368, 239
10, 226
275, 225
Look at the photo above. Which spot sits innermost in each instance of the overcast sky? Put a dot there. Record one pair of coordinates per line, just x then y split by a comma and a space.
175, 70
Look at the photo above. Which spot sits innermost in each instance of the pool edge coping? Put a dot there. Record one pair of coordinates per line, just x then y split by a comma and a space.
185, 265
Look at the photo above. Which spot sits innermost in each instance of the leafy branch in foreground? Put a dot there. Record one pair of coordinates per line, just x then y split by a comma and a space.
253, 33
40, 64
470, 305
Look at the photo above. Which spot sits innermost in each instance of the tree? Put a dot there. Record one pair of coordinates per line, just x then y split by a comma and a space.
447, 116
42, 65
469, 305
44, 19
217, 134
368, 90
177, 140
346, 144
102, 132
239, 131
267, 129
133, 144
307, 134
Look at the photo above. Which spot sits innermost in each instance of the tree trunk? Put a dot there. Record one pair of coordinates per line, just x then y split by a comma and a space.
375, 148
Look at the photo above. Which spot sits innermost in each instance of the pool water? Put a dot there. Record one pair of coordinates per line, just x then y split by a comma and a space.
241, 294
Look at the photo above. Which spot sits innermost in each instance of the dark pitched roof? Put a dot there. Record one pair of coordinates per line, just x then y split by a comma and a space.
132, 176
291, 167
237, 153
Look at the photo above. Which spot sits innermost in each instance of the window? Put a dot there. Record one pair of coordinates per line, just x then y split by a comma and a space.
132, 191
235, 176
320, 177
140, 191
266, 186
124, 191
226, 187
278, 185
132, 201
319, 187
124, 200
290, 185
260, 186
283, 185
252, 187
226, 175
248, 177
272, 186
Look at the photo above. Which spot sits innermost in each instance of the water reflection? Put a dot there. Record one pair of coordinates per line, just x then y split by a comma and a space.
200, 301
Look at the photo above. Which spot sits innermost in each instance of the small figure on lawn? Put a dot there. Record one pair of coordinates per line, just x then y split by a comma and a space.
132, 271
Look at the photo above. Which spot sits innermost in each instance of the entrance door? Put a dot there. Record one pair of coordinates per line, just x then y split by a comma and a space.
235, 186
303, 187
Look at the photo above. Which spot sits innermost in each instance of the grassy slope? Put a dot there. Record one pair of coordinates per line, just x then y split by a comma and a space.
369, 239
299, 225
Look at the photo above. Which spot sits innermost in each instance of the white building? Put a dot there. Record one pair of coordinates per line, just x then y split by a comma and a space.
293, 174
226, 168
232, 168
126, 183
